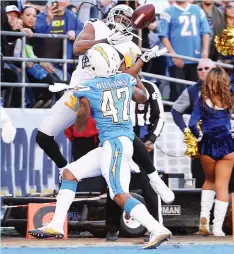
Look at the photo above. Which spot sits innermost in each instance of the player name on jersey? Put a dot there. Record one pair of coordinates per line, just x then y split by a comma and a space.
112, 84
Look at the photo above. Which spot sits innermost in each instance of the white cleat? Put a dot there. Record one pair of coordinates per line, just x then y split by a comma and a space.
157, 238
165, 193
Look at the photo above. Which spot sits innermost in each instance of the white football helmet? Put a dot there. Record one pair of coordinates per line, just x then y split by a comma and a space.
102, 60
119, 17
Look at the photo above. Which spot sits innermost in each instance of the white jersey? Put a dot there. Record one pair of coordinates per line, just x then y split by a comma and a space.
102, 31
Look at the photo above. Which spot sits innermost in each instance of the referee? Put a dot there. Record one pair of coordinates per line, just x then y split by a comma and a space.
148, 118
148, 122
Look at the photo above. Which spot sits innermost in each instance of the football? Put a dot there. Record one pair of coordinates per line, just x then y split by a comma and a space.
143, 16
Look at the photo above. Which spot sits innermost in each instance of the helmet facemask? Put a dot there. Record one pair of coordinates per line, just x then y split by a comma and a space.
119, 18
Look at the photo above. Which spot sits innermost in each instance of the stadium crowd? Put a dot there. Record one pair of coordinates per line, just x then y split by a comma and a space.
68, 17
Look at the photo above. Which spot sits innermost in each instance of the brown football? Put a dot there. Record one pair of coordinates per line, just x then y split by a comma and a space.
143, 16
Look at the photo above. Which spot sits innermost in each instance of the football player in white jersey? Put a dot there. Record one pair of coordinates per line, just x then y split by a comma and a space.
117, 33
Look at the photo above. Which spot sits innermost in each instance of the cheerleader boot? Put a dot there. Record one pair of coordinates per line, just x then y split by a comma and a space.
220, 211
207, 201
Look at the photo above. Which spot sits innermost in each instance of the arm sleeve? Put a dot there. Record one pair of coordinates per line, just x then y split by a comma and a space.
178, 109
157, 111
195, 117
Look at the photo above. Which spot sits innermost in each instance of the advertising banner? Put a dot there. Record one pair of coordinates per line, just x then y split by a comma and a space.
25, 168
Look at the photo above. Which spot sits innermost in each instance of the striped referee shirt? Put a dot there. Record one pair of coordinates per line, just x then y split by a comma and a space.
151, 113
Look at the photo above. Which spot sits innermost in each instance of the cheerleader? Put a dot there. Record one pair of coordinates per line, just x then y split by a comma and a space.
216, 147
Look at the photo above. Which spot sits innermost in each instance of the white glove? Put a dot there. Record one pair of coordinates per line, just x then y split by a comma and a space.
8, 131
154, 52
119, 38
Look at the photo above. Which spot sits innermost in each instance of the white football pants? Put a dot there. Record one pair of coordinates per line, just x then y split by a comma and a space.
60, 116
113, 160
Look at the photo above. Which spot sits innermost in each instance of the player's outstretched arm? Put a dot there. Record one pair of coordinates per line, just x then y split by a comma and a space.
135, 69
139, 91
85, 40
83, 115
146, 57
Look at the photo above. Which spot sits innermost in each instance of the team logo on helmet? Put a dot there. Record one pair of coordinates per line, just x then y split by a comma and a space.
103, 53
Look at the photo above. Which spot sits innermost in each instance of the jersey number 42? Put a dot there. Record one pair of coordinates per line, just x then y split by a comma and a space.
116, 105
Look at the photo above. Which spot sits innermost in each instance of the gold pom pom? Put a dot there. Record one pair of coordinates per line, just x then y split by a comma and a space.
224, 41
191, 142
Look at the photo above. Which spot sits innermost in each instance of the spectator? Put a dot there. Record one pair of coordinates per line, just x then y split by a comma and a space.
160, 6
185, 103
57, 20
229, 13
106, 5
216, 147
34, 71
7, 75
150, 38
184, 30
133, 4
10, 23
86, 9
222, 4
216, 21
9, 17
72, 8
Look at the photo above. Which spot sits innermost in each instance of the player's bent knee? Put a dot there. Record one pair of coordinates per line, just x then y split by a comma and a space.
121, 198
67, 175
42, 139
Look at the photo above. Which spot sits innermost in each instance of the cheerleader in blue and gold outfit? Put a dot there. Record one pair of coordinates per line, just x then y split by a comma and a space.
216, 145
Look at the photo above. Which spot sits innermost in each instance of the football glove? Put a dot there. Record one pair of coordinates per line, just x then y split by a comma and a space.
152, 53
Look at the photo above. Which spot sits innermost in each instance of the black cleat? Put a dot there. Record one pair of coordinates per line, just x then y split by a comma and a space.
112, 236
